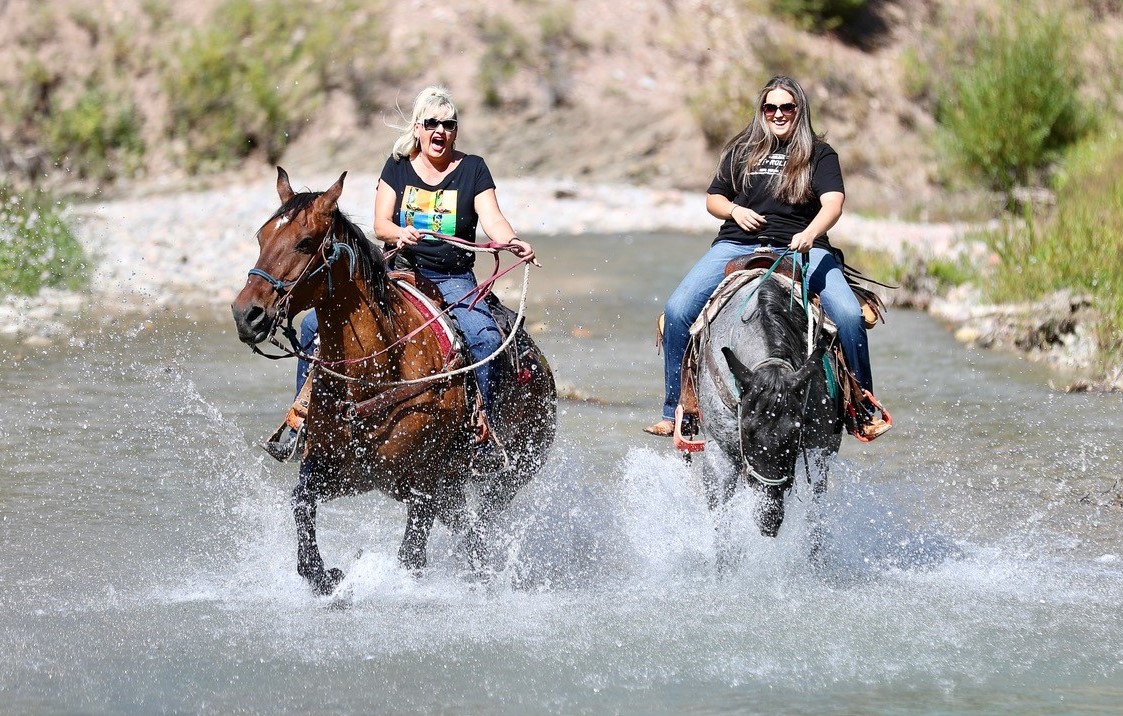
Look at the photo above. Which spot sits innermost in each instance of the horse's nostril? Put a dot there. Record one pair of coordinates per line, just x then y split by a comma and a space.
255, 316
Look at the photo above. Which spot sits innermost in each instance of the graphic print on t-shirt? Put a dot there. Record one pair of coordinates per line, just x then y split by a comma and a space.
771, 165
429, 210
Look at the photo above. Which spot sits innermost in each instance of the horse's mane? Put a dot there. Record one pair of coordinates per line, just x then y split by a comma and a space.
370, 260
783, 322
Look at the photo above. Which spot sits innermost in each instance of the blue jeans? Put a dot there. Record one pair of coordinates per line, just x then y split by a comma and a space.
825, 279
309, 342
478, 326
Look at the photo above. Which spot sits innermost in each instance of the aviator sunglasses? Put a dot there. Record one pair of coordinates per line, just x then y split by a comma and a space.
430, 124
770, 109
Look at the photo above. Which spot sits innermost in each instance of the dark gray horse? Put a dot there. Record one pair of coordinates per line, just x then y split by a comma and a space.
764, 402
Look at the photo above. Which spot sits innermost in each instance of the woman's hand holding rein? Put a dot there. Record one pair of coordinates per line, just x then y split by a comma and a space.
522, 249
407, 236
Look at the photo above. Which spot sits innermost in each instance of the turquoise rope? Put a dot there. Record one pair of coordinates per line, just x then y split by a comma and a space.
760, 281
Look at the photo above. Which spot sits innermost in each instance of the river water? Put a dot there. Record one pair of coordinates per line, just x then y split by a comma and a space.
973, 564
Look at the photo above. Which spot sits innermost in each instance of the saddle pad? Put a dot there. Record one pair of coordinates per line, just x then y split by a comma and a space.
733, 283
447, 337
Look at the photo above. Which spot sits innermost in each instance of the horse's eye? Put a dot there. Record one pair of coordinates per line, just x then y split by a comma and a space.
306, 246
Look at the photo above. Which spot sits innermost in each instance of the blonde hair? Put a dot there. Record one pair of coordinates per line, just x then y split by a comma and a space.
755, 142
428, 103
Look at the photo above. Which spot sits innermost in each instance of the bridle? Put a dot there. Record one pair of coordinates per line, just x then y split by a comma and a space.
813, 336
331, 250
748, 468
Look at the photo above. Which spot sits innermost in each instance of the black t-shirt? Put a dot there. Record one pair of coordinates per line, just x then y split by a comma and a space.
446, 208
783, 220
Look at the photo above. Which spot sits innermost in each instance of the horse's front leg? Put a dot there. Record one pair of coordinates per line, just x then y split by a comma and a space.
769, 511
719, 479
420, 511
309, 562
817, 534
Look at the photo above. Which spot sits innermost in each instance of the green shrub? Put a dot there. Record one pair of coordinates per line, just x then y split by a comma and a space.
37, 248
98, 136
818, 15
253, 77
949, 274
1010, 110
1079, 246
506, 50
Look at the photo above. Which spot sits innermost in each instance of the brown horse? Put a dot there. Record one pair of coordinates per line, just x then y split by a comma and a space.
386, 413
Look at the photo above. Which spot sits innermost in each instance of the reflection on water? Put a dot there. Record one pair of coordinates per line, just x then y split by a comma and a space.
150, 551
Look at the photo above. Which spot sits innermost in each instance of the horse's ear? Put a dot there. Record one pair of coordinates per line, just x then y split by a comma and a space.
741, 373
809, 368
284, 188
329, 200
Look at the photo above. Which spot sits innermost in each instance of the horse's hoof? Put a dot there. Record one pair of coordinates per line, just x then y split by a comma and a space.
326, 582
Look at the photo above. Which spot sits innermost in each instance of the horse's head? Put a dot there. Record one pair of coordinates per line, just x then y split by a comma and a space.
297, 246
771, 413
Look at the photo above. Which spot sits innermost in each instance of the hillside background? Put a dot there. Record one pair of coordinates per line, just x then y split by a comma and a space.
103, 96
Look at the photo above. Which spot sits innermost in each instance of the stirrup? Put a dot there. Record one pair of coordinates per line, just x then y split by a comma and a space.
856, 423
488, 456
283, 447
285, 444
682, 444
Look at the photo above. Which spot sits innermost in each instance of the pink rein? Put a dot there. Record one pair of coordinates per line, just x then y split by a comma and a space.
481, 290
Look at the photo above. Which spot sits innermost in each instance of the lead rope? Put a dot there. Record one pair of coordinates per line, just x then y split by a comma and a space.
480, 291
443, 375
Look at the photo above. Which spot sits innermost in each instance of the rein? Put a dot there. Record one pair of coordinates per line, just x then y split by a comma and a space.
338, 249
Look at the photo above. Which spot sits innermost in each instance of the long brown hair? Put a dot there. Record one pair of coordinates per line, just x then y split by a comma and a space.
756, 141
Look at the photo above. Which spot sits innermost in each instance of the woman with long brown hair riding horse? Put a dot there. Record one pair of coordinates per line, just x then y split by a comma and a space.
778, 185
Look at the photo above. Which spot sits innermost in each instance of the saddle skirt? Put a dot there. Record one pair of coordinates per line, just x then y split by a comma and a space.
448, 338
735, 280
521, 355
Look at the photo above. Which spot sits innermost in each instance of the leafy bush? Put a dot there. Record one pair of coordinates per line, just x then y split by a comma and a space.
1079, 246
37, 248
98, 136
1016, 106
818, 15
507, 50
259, 71
512, 50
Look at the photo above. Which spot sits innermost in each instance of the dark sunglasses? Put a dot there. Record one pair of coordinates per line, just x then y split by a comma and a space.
430, 124
785, 109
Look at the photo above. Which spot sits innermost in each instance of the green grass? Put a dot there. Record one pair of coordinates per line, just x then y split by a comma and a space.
97, 136
37, 248
818, 15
